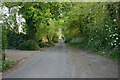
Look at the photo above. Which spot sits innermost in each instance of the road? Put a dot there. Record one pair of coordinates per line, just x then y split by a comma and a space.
60, 62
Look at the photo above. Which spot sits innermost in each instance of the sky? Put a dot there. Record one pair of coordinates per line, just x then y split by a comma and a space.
19, 18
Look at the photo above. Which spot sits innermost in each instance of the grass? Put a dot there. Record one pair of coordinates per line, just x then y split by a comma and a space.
4, 65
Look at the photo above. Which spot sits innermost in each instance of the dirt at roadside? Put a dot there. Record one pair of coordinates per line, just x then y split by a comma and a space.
19, 57
92, 65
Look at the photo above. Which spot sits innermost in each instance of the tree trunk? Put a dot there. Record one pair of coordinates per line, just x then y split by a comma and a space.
48, 39
3, 55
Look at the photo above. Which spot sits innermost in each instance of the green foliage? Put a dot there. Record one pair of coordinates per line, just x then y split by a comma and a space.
92, 25
14, 39
0, 65
43, 44
6, 65
0, 36
4, 38
3, 56
51, 43
95, 26
55, 38
29, 45
40, 18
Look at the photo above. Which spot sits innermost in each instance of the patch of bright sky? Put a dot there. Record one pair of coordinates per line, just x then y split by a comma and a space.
19, 18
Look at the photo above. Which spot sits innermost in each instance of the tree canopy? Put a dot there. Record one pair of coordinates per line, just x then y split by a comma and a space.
89, 25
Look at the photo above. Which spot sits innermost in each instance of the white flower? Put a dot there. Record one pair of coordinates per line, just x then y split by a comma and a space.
106, 25
116, 38
114, 19
115, 41
113, 34
111, 44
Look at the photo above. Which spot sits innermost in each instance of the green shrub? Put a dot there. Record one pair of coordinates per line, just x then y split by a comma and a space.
55, 40
3, 56
96, 45
14, 39
29, 45
6, 65
0, 66
115, 53
51, 43
43, 44
48, 45
77, 40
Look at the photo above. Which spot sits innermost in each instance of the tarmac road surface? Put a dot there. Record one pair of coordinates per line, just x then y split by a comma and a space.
56, 62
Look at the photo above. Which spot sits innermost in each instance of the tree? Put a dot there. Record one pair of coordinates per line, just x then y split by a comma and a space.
94, 26
39, 17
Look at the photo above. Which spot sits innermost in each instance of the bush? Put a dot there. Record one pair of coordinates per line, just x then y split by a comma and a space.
29, 45
77, 40
51, 43
97, 45
14, 39
6, 65
43, 44
55, 40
